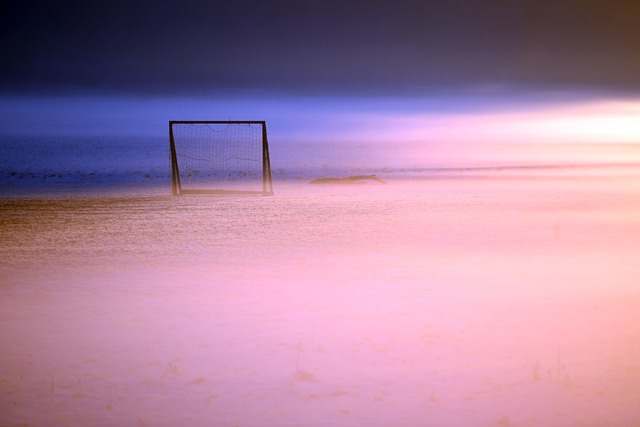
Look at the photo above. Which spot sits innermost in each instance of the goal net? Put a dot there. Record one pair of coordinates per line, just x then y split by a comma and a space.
220, 157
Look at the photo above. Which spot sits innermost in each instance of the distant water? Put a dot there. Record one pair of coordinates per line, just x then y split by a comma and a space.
61, 164
69, 164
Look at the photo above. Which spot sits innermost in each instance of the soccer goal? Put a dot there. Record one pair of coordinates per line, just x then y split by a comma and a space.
220, 157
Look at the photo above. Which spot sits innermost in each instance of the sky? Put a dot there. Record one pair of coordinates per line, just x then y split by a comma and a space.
437, 70
328, 47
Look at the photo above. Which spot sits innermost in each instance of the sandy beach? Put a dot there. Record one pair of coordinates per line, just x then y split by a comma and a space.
453, 302
443, 228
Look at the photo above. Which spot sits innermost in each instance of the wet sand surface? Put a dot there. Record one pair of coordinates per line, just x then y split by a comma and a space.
451, 302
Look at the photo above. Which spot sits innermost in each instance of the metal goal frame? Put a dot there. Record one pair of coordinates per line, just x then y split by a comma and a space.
176, 182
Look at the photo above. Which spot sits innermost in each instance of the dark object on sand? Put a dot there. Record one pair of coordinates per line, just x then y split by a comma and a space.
356, 179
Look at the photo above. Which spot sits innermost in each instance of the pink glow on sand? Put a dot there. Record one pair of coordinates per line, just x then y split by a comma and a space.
448, 303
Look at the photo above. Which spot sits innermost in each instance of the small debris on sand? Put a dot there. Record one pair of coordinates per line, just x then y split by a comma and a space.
356, 179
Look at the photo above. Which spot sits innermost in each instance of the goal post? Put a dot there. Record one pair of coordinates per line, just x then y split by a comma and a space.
219, 157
